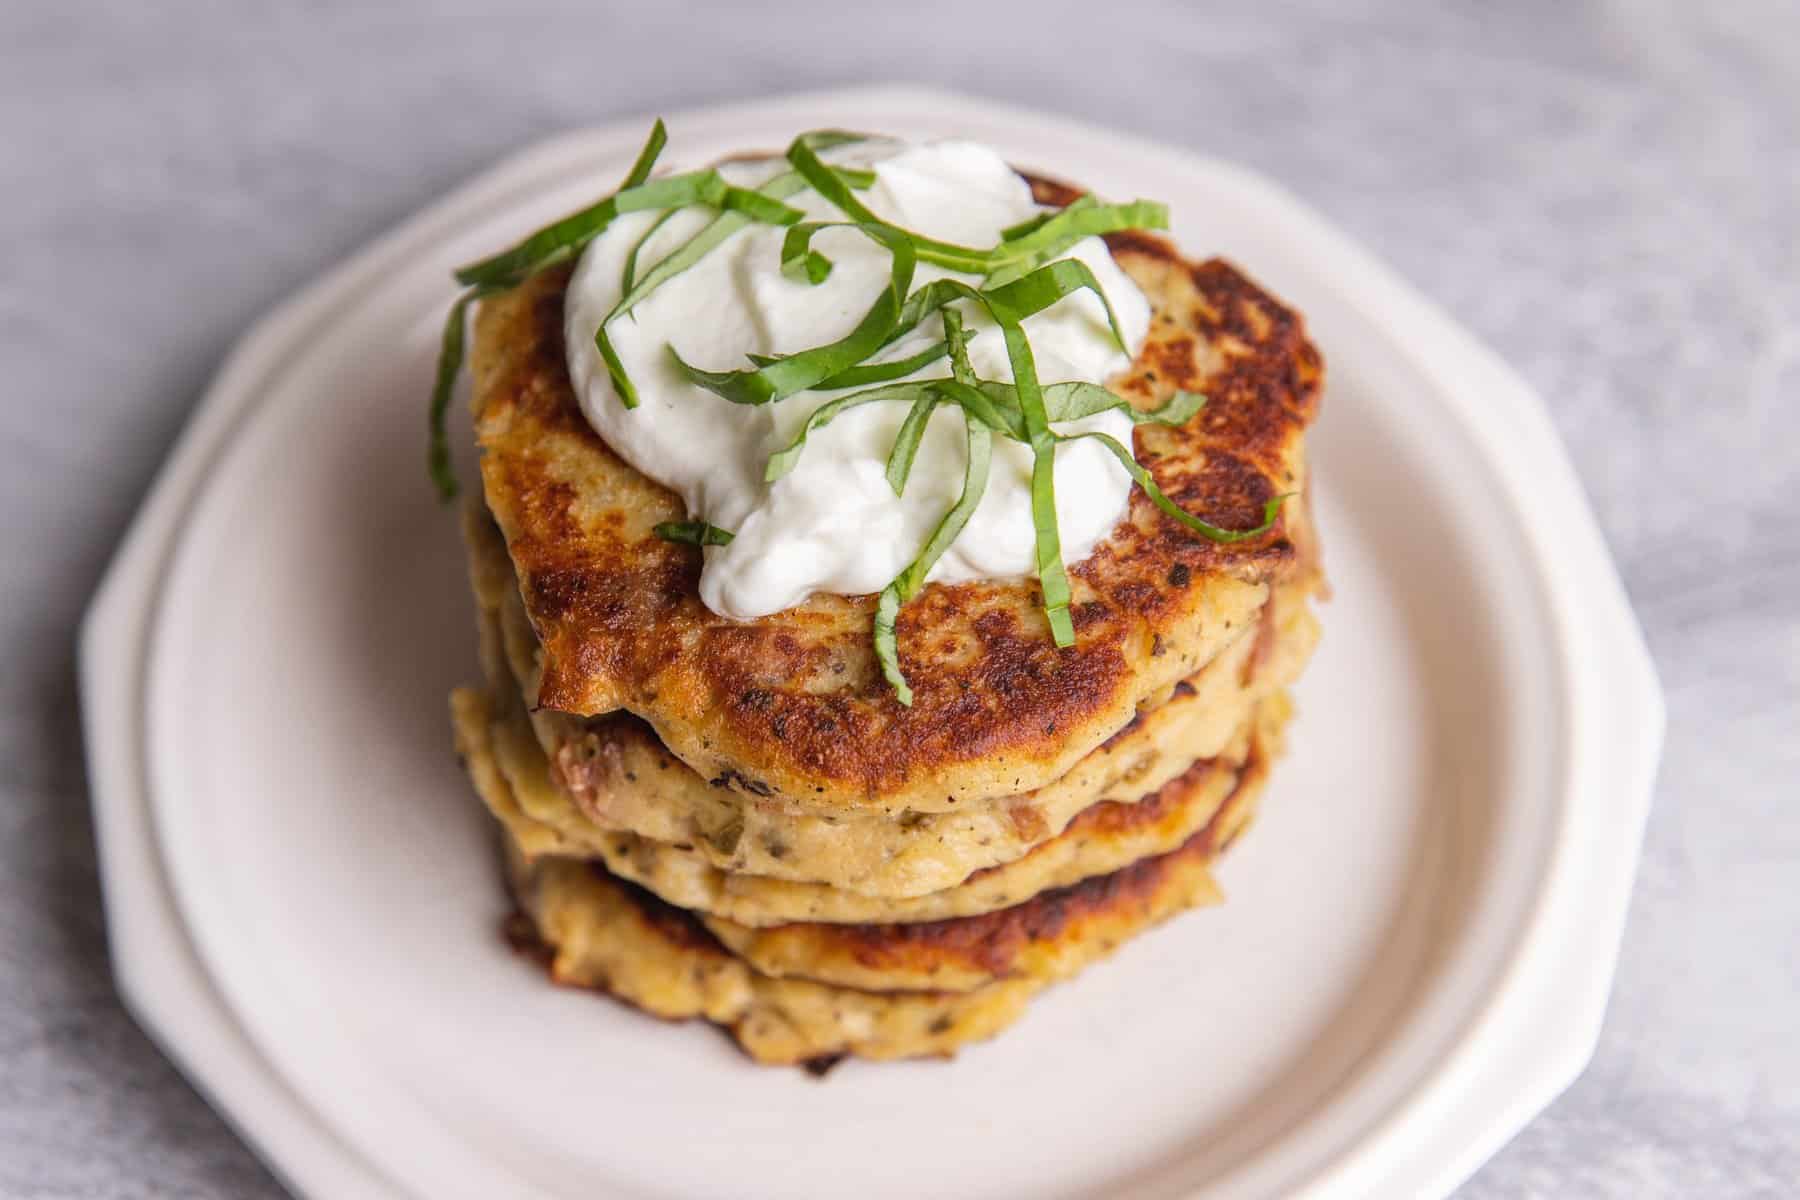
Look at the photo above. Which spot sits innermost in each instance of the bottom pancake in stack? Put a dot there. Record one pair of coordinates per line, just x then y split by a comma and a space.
907, 963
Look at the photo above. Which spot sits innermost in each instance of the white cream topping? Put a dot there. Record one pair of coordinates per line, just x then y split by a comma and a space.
833, 524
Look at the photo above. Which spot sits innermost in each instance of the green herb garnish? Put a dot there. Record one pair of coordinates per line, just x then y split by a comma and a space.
786, 458
911, 433
631, 260
798, 372
715, 233
881, 372
1022, 274
906, 585
449, 365
693, 533
553, 243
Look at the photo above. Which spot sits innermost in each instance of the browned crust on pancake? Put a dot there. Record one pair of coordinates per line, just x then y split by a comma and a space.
791, 703
597, 931
1111, 818
992, 944
1028, 938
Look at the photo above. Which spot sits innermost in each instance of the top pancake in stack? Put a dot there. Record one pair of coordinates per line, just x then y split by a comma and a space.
606, 788
790, 707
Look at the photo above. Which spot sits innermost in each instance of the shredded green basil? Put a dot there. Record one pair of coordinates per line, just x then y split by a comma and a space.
1024, 297
1073, 401
715, 232
449, 365
1014, 232
958, 258
979, 454
881, 372
912, 430
910, 434
1084, 218
1212, 533
798, 372
629, 277
560, 239
693, 533
786, 458
1022, 274
646, 159
799, 261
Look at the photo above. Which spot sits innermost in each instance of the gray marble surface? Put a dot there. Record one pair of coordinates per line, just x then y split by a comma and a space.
1610, 194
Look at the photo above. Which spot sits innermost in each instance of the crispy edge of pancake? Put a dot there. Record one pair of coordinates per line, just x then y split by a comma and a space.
603, 762
792, 703
660, 824
510, 774
878, 859
1035, 937
595, 931
1101, 839
647, 808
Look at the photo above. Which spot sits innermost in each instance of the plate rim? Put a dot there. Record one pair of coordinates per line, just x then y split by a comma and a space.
1578, 578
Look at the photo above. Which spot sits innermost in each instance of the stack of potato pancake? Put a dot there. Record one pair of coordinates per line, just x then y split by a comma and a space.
739, 821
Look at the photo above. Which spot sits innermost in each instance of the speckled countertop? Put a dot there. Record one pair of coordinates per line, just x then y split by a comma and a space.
1609, 194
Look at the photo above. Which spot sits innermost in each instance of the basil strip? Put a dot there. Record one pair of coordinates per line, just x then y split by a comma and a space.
906, 441
958, 343
556, 240
1075, 223
646, 159
449, 364
629, 276
1053, 577
828, 185
826, 139
693, 533
989, 412
879, 372
1044, 286
784, 459
710, 237
799, 261
798, 372
912, 430
1081, 220
1014, 232
1073, 401
1025, 297
995, 405
1021, 247
859, 178
1207, 530
578, 228
907, 584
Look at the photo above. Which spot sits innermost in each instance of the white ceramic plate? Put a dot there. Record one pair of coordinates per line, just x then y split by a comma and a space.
1421, 928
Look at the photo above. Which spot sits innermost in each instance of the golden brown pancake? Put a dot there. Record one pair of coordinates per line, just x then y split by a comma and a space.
611, 790
1038, 937
1102, 838
790, 708
598, 931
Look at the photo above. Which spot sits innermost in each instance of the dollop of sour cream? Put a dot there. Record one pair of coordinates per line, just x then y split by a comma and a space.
833, 524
